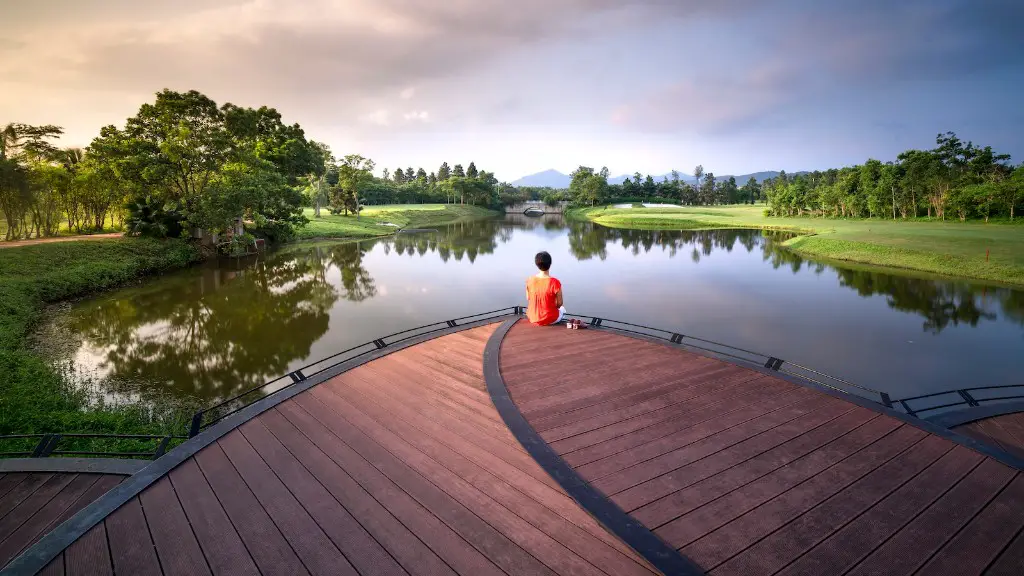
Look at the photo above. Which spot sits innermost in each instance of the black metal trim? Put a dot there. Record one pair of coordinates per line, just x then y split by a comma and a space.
653, 549
975, 413
35, 558
121, 466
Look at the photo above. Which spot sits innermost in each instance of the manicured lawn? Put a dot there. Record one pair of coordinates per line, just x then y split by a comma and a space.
951, 247
372, 221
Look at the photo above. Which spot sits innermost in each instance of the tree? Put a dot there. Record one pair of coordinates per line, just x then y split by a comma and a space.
1013, 189
386, 174
698, 173
650, 188
471, 172
399, 175
317, 189
421, 175
431, 179
443, 173
751, 190
707, 189
588, 186
353, 169
458, 171
410, 174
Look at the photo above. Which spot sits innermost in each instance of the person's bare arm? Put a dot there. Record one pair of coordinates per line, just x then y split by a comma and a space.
558, 298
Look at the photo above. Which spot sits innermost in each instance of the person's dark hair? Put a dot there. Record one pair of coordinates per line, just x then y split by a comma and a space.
542, 260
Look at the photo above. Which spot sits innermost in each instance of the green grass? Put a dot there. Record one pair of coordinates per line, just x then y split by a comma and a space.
34, 398
371, 221
950, 248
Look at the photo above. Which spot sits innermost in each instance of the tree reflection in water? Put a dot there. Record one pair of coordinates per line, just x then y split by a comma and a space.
212, 332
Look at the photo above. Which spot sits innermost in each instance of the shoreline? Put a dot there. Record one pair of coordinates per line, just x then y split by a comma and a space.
895, 247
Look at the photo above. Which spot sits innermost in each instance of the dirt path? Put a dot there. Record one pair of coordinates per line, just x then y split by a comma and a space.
16, 243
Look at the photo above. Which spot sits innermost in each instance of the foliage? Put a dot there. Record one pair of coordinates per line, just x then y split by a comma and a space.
587, 187
33, 397
385, 220
153, 218
955, 178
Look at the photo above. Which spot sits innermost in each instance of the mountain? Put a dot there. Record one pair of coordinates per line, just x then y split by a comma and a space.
549, 178
555, 179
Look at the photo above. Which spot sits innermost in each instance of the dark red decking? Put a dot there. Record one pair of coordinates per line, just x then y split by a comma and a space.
399, 466
1006, 432
33, 503
749, 474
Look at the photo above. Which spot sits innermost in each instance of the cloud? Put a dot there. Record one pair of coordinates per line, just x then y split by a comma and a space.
378, 117
408, 93
420, 115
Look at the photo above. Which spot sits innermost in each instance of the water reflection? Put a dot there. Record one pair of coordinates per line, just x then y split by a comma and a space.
211, 332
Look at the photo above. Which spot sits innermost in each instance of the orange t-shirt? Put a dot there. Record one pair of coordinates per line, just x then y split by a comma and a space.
542, 309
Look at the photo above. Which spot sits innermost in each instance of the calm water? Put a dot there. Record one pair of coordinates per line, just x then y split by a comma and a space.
212, 331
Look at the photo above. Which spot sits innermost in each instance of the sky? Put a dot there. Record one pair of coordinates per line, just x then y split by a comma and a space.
518, 87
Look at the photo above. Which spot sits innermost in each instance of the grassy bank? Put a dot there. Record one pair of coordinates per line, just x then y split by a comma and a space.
375, 219
33, 397
950, 248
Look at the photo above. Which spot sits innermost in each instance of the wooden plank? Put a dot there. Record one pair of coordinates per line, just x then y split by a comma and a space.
533, 543
971, 551
548, 510
787, 543
90, 555
911, 547
176, 545
220, 543
131, 548
714, 514
34, 526
21, 491
618, 453
1011, 561
441, 538
103, 484
718, 392
846, 547
9, 481
648, 480
365, 554
318, 553
266, 544
674, 505
761, 519
34, 503
495, 546
55, 567
412, 553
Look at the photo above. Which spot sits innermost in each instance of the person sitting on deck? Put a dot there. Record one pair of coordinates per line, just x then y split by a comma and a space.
544, 294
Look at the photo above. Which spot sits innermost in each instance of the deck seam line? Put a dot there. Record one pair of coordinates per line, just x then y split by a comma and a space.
372, 496
967, 523
838, 494
326, 490
798, 416
446, 495
149, 532
899, 529
640, 414
499, 479
738, 408
497, 531
119, 466
1002, 550
791, 488
745, 460
297, 500
188, 520
772, 471
16, 484
49, 546
202, 473
648, 545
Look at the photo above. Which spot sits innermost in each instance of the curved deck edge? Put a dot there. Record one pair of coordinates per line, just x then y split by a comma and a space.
120, 466
928, 425
34, 559
974, 413
652, 548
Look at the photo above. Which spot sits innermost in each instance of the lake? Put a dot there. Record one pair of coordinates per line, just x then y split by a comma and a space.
209, 332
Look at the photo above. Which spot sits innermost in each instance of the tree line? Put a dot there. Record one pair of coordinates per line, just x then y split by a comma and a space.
956, 179
590, 187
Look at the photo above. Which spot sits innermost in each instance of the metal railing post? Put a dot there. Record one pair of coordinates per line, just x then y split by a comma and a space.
197, 422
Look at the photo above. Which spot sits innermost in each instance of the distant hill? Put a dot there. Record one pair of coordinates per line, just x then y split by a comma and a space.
555, 179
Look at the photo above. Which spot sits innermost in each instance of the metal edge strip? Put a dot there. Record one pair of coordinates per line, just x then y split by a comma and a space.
121, 466
926, 425
35, 558
974, 413
665, 558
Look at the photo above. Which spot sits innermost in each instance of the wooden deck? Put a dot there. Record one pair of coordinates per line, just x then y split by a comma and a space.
33, 503
1005, 431
405, 465
400, 466
748, 474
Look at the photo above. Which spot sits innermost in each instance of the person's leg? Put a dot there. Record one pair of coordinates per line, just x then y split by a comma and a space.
561, 314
